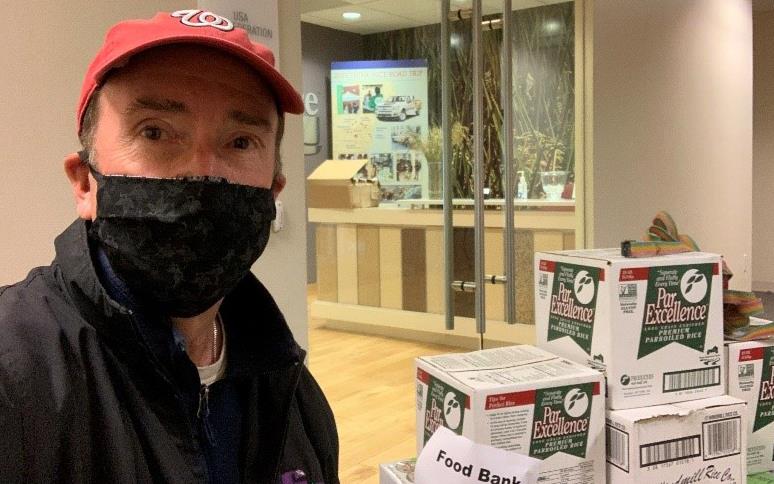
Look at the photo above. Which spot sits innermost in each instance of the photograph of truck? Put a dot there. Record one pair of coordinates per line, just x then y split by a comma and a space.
398, 108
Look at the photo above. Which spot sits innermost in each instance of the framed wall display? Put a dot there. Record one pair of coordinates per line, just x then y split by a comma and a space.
379, 113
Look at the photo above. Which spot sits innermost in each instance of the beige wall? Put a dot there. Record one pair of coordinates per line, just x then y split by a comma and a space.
672, 122
763, 151
283, 267
46, 48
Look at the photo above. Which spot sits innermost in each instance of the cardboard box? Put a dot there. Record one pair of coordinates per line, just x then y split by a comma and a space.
688, 442
400, 472
751, 378
522, 399
336, 184
653, 325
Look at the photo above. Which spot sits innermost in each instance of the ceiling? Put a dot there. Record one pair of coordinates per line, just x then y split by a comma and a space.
384, 15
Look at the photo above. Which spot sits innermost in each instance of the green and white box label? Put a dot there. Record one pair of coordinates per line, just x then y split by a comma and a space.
764, 413
561, 420
676, 307
444, 405
573, 302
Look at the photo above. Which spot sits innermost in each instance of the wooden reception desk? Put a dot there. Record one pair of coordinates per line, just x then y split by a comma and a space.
380, 270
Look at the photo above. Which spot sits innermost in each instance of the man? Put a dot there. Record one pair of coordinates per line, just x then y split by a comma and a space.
147, 351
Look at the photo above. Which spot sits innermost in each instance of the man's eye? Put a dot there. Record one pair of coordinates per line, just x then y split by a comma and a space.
152, 133
241, 143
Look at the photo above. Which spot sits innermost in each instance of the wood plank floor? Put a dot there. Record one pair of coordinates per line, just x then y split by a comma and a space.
369, 382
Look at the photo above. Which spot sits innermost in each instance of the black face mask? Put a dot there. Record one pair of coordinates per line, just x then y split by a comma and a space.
180, 244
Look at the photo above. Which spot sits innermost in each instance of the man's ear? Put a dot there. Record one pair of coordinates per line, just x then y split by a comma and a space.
278, 184
83, 185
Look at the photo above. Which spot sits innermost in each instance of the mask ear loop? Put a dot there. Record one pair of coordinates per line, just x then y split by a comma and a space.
84, 156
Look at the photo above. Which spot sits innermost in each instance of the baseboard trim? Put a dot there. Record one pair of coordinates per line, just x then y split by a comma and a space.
766, 286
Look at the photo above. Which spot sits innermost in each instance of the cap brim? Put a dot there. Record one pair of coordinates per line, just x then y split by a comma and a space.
288, 99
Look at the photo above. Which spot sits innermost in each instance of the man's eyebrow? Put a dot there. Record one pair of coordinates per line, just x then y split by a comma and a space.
250, 119
153, 104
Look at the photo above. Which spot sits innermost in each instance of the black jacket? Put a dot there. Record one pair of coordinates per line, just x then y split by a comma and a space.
84, 397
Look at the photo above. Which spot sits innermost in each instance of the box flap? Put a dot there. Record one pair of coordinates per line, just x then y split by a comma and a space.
337, 171
644, 414
613, 255
542, 374
680, 409
721, 401
491, 359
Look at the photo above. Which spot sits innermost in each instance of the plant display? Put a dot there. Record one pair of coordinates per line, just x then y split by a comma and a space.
543, 94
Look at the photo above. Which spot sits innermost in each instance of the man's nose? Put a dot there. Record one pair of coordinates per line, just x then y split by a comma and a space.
204, 161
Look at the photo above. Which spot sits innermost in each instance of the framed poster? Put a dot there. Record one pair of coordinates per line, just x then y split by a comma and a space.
378, 114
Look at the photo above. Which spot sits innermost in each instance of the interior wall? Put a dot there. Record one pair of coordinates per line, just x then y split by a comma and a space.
763, 150
672, 123
321, 46
46, 49
280, 268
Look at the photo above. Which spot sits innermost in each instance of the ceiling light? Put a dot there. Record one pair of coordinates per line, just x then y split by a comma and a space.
552, 27
351, 15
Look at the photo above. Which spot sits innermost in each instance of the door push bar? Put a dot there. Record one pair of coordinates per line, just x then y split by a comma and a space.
477, 286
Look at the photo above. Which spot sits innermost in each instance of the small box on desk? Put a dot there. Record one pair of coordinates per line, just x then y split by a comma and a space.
337, 184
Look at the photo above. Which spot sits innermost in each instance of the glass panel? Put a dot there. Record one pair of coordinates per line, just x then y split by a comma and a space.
381, 269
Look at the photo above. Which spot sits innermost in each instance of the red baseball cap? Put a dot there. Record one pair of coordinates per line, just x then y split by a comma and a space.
130, 37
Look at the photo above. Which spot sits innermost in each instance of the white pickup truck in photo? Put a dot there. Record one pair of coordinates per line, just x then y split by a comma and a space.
398, 107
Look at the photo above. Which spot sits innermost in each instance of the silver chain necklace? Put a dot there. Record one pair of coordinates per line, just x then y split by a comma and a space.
215, 332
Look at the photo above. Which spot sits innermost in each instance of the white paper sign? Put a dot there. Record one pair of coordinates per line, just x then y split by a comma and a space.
452, 459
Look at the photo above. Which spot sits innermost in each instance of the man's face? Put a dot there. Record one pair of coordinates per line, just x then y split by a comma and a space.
187, 111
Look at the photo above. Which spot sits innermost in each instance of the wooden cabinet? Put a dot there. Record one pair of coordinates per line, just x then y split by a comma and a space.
380, 270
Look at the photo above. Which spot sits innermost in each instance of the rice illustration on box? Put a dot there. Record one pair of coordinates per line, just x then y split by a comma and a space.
653, 325
521, 399
751, 378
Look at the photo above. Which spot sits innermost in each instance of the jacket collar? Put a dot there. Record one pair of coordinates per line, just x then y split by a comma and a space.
259, 337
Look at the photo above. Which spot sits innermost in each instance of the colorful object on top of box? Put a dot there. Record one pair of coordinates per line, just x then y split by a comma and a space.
522, 399
653, 325
759, 329
662, 238
751, 378
342, 184
681, 443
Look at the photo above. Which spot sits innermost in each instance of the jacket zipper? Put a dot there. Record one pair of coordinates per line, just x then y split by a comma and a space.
283, 437
203, 414
203, 408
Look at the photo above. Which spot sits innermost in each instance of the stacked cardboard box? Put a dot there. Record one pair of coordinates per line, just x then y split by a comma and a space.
654, 326
522, 399
751, 378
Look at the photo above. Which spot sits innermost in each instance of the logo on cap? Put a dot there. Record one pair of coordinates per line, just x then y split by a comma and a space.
200, 18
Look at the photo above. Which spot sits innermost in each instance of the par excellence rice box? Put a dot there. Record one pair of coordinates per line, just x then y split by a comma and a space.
653, 325
522, 399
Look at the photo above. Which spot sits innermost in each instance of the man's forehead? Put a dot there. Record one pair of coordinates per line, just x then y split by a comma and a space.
157, 65
243, 115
